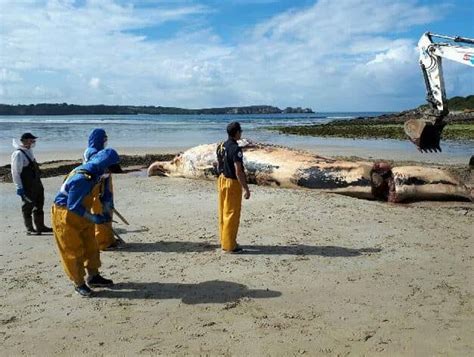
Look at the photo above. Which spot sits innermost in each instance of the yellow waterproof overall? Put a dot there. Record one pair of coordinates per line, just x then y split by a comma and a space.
75, 240
230, 203
103, 232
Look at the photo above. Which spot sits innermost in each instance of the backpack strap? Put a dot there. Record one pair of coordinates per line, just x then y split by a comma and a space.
83, 172
220, 149
220, 152
24, 153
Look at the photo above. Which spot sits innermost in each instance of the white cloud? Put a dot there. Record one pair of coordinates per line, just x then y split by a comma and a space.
344, 55
7, 75
94, 82
400, 54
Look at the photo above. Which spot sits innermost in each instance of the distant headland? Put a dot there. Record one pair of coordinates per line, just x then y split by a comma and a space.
73, 109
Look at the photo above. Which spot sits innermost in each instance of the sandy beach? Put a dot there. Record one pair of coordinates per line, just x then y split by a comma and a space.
324, 275
369, 99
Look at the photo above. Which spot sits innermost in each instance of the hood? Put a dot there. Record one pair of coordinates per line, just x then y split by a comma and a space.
97, 138
101, 161
89, 153
17, 145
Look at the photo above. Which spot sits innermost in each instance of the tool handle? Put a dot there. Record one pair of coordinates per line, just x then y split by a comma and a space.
120, 216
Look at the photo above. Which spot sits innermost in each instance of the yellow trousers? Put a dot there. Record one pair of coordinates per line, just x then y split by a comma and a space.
104, 235
230, 203
103, 232
76, 243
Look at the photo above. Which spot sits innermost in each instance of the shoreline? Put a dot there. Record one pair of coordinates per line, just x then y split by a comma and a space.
135, 162
365, 149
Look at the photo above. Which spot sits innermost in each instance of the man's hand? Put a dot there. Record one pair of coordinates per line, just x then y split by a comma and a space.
107, 207
239, 171
247, 194
20, 192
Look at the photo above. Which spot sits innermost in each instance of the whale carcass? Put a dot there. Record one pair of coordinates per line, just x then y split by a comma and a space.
284, 167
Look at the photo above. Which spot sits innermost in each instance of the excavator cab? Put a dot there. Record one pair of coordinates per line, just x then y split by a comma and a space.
425, 133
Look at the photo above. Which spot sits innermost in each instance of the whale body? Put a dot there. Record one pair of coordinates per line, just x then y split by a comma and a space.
270, 165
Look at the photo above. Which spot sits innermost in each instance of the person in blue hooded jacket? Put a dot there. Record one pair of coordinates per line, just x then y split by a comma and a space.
73, 221
97, 141
104, 204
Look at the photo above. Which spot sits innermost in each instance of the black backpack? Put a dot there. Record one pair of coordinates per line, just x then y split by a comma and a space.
220, 152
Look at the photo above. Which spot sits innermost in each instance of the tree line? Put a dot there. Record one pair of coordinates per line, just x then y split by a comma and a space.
73, 109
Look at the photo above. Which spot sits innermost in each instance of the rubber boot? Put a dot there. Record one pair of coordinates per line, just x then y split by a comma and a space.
39, 222
29, 225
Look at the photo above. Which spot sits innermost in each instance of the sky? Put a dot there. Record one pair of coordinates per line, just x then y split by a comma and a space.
344, 55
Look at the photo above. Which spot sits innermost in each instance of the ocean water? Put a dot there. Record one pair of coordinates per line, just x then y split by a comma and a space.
178, 132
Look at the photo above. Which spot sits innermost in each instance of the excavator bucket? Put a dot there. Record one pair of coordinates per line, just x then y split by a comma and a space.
424, 134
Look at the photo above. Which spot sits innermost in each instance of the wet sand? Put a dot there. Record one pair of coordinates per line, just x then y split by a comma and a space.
324, 275
329, 147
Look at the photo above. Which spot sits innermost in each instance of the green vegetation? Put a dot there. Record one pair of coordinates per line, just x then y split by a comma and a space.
390, 126
380, 131
459, 103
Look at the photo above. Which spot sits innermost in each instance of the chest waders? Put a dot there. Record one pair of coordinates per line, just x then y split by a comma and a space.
33, 199
74, 236
103, 232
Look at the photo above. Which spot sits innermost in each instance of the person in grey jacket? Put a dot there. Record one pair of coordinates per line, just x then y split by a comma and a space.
26, 177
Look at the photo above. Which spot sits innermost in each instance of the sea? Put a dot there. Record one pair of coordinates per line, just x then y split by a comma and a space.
173, 133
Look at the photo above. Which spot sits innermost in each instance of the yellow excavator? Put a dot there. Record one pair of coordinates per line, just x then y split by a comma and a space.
425, 133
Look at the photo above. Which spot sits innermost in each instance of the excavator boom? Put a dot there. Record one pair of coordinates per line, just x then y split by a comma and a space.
426, 132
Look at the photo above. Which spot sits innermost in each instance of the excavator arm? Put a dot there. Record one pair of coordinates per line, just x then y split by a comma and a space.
425, 133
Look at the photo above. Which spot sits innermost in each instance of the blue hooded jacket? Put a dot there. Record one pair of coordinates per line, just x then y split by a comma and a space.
82, 180
96, 143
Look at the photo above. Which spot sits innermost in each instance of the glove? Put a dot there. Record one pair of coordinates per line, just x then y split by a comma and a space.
97, 218
20, 192
108, 207
108, 217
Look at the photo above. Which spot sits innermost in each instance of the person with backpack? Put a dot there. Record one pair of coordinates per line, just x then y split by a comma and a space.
231, 182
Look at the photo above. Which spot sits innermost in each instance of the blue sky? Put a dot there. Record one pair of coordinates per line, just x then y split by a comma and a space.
345, 55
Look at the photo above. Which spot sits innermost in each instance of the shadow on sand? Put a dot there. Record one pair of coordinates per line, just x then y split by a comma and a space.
296, 249
215, 291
